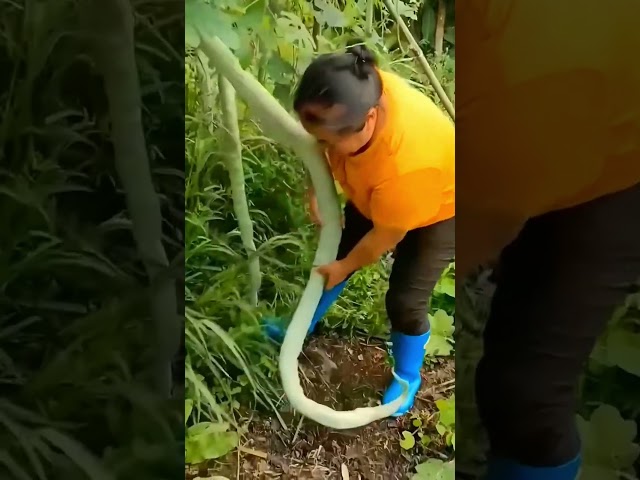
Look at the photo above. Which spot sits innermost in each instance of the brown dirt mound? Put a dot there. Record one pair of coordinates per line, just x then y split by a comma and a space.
343, 375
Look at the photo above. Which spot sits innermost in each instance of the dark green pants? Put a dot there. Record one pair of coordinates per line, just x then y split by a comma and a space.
557, 286
419, 260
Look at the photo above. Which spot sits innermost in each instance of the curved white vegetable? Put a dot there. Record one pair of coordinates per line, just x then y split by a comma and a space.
233, 161
283, 128
111, 23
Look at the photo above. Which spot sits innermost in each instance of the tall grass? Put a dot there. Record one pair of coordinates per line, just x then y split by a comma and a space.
216, 280
74, 316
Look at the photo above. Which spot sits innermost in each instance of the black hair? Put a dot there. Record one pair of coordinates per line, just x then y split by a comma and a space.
350, 79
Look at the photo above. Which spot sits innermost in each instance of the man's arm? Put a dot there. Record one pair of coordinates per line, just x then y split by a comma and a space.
397, 207
372, 246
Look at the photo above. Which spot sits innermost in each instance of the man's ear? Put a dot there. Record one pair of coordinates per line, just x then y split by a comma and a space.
372, 117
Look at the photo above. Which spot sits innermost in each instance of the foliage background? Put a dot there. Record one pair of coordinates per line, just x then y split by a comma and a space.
231, 370
75, 325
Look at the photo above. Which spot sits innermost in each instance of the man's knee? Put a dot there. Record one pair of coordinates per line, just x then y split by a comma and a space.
407, 312
528, 417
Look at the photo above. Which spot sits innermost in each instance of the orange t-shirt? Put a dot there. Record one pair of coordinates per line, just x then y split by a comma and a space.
406, 178
548, 113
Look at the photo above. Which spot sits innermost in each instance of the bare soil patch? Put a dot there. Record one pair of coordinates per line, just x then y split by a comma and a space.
344, 375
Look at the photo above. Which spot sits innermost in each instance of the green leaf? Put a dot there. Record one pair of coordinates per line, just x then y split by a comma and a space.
206, 441
438, 346
447, 411
450, 35
293, 31
16, 470
608, 439
442, 323
204, 427
329, 15
245, 52
408, 441
623, 350
448, 438
188, 407
77, 452
441, 332
279, 71
203, 19
594, 472
428, 24
191, 37
267, 35
434, 469
253, 17
447, 285
405, 10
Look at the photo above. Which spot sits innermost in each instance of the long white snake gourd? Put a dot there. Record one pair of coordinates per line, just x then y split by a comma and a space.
233, 153
110, 28
283, 128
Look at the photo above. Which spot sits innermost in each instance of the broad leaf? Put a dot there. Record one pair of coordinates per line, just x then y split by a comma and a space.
608, 439
188, 407
404, 10
206, 441
447, 409
450, 35
441, 332
203, 19
623, 348
329, 15
428, 29
408, 441
434, 469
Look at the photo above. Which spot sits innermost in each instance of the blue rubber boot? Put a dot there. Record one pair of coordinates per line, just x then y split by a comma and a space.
502, 469
408, 354
276, 328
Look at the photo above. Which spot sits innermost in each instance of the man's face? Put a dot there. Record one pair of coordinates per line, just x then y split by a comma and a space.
325, 127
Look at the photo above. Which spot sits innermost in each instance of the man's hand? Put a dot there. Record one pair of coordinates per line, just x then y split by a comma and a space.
372, 246
334, 273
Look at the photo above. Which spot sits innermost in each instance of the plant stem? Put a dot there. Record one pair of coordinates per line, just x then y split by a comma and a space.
422, 60
369, 17
441, 19
232, 148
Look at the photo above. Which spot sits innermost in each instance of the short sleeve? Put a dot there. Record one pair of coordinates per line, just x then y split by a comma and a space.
408, 201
